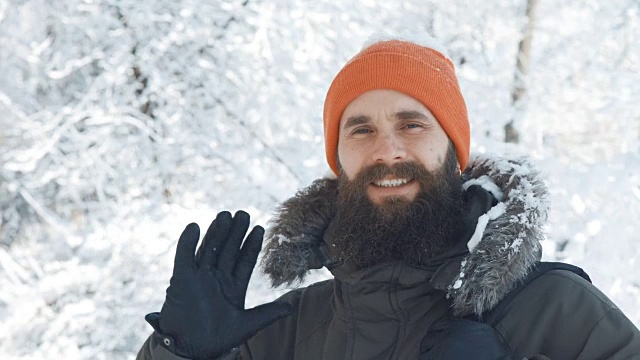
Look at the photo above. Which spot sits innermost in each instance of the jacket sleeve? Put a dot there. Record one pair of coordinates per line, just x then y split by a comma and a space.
562, 316
612, 337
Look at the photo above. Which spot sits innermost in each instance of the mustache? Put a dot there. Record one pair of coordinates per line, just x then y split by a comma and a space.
406, 170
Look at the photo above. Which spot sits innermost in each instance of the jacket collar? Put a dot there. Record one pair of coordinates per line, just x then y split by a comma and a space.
476, 280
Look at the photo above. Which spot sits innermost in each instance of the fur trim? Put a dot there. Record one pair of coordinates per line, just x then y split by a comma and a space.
510, 243
298, 225
509, 246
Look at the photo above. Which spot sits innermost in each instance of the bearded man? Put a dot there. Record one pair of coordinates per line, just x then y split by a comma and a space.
429, 262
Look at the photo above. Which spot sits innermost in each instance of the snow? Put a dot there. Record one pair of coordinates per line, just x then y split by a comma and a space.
124, 121
483, 220
486, 183
457, 284
281, 239
578, 204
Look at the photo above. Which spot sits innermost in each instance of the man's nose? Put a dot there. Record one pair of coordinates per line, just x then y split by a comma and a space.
388, 149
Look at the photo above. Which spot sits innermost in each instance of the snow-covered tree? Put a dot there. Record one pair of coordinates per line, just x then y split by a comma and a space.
122, 121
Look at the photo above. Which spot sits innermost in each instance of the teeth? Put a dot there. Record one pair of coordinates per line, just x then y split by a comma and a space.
390, 183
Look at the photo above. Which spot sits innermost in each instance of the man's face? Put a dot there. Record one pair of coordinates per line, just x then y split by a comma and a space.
388, 127
399, 197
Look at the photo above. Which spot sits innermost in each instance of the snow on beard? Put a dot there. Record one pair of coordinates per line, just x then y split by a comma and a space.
410, 231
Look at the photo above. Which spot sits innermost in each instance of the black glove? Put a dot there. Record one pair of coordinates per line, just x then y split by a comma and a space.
477, 201
204, 308
454, 338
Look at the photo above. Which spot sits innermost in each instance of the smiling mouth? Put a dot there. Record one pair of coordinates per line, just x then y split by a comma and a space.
391, 183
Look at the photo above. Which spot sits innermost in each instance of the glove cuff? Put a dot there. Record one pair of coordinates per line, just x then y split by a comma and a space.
163, 340
169, 343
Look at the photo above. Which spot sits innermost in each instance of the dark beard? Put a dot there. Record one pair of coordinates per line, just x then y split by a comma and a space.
410, 231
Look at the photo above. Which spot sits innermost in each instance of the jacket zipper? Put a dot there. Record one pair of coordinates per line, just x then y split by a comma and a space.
395, 305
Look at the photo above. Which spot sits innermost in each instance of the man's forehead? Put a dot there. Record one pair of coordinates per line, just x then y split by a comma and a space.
384, 94
383, 97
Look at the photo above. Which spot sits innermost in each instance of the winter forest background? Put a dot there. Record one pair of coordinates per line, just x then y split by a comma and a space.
121, 121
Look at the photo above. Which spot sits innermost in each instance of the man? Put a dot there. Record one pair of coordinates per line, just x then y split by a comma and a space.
429, 262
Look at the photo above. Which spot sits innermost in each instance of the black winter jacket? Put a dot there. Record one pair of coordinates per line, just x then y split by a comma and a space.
384, 312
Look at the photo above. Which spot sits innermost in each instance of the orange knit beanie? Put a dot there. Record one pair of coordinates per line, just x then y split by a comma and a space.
418, 71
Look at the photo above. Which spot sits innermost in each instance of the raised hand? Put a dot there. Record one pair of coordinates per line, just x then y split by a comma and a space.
204, 307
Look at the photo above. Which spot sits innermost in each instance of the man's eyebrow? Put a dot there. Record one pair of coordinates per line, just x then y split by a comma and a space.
356, 120
400, 115
410, 115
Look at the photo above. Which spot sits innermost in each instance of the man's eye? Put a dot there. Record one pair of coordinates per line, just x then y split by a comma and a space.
413, 126
361, 131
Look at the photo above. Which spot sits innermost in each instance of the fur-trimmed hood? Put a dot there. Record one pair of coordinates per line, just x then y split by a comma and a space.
501, 252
